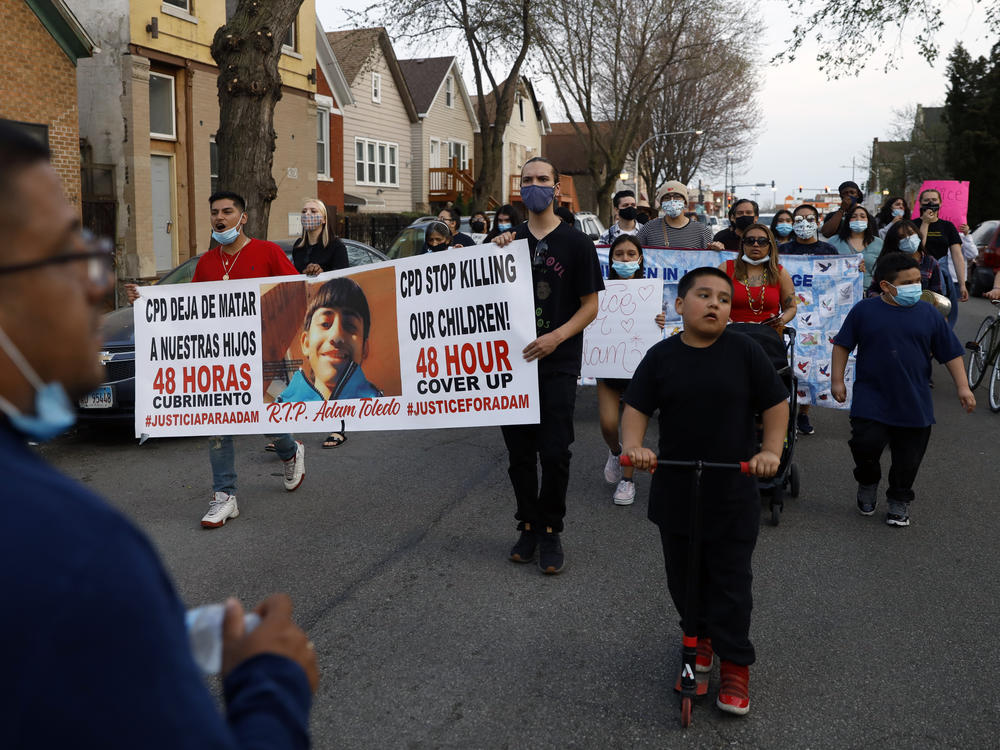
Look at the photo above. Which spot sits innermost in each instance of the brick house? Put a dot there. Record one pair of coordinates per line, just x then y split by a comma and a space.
41, 43
149, 110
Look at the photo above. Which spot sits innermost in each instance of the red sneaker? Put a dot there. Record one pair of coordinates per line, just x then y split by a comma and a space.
706, 657
734, 691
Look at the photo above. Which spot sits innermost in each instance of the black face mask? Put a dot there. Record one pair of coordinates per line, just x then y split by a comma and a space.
641, 217
628, 213
478, 226
930, 207
742, 222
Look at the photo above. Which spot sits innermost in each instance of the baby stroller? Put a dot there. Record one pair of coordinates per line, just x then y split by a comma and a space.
780, 348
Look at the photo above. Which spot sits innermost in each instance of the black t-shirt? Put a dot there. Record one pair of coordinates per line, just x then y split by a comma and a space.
330, 257
563, 270
729, 238
463, 239
794, 247
941, 235
707, 399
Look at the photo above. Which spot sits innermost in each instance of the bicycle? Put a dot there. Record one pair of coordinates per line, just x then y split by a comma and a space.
983, 355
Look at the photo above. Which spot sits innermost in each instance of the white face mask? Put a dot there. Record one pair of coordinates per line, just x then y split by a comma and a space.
805, 229
753, 262
673, 208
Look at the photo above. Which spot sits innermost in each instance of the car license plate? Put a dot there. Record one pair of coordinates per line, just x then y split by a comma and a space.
102, 398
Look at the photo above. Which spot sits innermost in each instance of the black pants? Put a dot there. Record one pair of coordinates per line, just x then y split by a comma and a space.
546, 442
725, 591
907, 446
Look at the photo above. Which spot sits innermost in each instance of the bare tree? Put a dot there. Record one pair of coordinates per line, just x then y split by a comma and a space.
720, 100
247, 50
612, 61
497, 35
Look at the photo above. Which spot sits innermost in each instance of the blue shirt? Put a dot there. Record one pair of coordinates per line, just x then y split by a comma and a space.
353, 385
870, 254
92, 640
895, 344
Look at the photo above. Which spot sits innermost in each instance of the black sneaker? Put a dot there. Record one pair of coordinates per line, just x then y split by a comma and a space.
524, 550
867, 498
550, 555
899, 514
803, 424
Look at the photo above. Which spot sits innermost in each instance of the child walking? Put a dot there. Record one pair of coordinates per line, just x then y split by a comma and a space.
627, 262
709, 383
896, 334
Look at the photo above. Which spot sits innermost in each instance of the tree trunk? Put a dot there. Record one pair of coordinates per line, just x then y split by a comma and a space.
247, 50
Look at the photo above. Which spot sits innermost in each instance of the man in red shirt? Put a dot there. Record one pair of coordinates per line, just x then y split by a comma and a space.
239, 257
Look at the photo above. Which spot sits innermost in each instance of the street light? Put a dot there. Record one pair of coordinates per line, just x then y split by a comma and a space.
651, 138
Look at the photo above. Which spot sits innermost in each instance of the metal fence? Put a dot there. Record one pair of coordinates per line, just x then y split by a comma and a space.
377, 230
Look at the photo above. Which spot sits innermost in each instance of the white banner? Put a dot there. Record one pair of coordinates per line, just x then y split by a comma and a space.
625, 327
429, 341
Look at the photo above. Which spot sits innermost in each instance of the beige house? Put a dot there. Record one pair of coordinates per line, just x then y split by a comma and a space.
149, 111
378, 160
443, 137
522, 140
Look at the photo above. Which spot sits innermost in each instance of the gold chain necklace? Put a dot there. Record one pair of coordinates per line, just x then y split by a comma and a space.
222, 257
763, 289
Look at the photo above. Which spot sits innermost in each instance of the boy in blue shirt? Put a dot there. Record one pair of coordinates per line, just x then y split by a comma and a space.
709, 383
895, 334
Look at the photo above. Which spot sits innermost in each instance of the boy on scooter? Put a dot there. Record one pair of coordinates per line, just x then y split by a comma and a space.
709, 383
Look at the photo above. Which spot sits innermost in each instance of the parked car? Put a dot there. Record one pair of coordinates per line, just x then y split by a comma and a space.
984, 266
114, 399
590, 225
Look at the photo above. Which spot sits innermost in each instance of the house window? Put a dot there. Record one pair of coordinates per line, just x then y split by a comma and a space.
322, 142
376, 162
288, 43
184, 5
376, 87
449, 88
459, 151
162, 120
520, 107
39, 132
213, 164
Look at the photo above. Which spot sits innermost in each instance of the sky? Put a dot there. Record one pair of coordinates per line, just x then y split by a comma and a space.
811, 127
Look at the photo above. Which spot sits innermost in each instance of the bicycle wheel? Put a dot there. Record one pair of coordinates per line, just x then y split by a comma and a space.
995, 386
977, 364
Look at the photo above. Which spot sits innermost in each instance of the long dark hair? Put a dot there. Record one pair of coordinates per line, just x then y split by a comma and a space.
845, 226
777, 215
507, 210
884, 215
620, 240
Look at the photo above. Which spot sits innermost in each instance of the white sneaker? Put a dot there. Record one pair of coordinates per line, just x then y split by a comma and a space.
220, 509
625, 494
295, 468
612, 469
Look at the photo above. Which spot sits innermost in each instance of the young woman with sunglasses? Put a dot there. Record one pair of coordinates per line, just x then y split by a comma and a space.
762, 290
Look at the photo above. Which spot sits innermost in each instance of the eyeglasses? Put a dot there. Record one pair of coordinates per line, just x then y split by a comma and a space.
756, 241
100, 262
804, 219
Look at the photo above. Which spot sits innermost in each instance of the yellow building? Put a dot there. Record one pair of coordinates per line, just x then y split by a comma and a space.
149, 111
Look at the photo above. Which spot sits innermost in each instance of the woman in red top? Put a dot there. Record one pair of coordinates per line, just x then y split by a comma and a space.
762, 290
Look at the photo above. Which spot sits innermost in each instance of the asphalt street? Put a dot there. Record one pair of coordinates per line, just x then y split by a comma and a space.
394, 551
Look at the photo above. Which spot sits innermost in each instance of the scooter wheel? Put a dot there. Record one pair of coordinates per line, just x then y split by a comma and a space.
685, 712
793, 481
775, 514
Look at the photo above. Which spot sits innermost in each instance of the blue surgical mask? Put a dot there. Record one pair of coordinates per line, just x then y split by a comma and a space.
783, 229
537, 198
625, 268
898, 212
673, 208
227, 237
54, 414
910, 244
858, 226
907, 295
503, 226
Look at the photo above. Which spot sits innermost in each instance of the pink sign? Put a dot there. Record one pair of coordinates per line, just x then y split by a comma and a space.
954, 200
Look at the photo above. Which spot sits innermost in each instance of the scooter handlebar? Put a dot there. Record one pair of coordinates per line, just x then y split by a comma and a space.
743, 466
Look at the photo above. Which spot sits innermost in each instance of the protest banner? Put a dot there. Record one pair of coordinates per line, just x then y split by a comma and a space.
429, 341
954, 200
826, 288
625, 327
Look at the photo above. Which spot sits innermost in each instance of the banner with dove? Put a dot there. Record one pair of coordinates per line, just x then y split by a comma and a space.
826, 288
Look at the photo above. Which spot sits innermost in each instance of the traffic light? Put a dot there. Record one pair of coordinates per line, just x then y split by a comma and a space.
772, 184
826, 188
800, 188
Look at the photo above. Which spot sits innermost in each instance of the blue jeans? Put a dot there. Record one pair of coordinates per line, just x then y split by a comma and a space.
950, 291
222, 456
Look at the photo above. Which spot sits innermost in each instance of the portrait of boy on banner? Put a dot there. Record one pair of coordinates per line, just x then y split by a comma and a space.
331, 338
